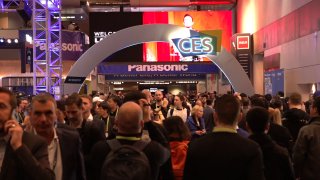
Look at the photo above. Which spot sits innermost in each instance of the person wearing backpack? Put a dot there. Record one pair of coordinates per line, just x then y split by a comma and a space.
128, 157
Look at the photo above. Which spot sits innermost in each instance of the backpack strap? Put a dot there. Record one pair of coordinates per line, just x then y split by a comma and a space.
171, 111
114, 144
140, 145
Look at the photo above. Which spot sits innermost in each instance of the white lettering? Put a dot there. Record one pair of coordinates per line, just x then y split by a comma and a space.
131, 67
64, 46
157, 68
98, 36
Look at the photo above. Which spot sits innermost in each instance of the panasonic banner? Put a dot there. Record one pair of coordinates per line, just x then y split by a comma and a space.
72, 44
158, 71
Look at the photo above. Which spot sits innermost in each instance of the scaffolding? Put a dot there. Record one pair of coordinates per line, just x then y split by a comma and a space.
47, 65
9, 5
46, 25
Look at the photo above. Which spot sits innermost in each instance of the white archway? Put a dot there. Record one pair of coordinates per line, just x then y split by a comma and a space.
149, 33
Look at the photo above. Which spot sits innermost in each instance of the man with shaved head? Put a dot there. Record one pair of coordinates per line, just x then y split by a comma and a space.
130, 119
130, 123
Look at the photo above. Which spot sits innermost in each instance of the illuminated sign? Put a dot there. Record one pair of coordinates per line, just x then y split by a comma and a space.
243, 42
154, 68
200, 43
196, 45
98, 36
64, 46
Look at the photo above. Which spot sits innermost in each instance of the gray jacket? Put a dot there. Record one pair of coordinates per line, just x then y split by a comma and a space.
306, 152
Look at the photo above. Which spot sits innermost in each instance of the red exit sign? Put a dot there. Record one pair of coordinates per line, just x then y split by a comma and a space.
243, 42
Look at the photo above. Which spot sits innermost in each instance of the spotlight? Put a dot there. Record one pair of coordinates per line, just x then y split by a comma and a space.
28, 38
9, 41
16, 41
1, 40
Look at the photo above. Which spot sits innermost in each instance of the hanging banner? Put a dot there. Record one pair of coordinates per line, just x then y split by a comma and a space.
274, 81
72, 43
158, 77
158, 68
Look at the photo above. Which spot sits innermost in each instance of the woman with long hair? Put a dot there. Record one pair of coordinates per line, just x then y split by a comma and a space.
179, 137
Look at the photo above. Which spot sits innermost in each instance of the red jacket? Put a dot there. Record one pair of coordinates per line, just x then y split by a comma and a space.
178, 157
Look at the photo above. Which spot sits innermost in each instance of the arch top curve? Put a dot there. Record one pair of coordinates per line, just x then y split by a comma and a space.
149, 33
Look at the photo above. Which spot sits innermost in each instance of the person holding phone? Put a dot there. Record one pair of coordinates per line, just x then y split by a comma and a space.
22, 155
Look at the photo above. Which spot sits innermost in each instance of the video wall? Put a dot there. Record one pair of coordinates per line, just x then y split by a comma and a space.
105, 24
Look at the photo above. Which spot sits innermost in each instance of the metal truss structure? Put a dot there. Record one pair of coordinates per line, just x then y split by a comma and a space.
46, 24
47, 65
8, 6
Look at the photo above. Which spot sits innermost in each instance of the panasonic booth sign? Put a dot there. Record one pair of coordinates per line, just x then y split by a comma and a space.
156, 68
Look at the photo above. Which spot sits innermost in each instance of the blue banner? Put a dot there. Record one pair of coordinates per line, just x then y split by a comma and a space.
72, 43
157, 68
274, 82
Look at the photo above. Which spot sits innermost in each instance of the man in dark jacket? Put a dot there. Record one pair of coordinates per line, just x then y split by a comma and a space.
279, 134
64, 145
277, 164
152, 130
208, 115
130, 125
90, 132
306, 150
224, 154
23, 156
295, 117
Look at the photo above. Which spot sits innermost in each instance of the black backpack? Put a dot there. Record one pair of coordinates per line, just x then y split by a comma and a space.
126, 162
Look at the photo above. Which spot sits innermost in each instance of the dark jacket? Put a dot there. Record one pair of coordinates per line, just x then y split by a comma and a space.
71, 153
276, 159
223, 155
306, 151
294, 119
29, 162
208, 118
102, 123
158, 133
281, 136
90, 133
156, 154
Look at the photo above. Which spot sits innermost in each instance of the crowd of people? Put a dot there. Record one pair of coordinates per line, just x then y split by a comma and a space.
144, 135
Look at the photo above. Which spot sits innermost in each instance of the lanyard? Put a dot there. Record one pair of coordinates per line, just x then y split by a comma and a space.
107, 124
55, 157
224, 129
128, 138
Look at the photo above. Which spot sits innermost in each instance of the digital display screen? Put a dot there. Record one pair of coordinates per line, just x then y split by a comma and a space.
104, 24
